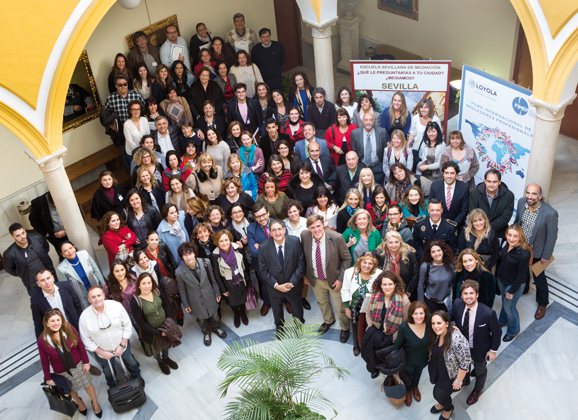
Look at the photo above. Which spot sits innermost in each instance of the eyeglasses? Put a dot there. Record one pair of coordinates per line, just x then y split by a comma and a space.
367, 254
103, 321
262, 216
237, 212
172, 32
122, 84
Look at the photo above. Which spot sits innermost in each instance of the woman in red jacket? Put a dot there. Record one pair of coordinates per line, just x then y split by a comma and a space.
174, 167
117, 239
294, 126
60, 346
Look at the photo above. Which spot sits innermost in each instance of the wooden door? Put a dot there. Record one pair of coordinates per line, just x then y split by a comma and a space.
523, 65
288, 20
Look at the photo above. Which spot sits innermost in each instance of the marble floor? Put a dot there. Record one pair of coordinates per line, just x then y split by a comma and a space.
534, 376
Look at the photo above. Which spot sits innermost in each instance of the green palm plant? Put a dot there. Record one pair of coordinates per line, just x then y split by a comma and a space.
274, 379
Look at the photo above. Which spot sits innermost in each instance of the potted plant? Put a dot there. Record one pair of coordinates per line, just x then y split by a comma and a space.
274, 378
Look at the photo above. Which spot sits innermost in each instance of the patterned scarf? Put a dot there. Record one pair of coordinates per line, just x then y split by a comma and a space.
150, 269
177, 229
231, 260
351, 210
379, 213
393, 262
393, 316
190, 161
400, 187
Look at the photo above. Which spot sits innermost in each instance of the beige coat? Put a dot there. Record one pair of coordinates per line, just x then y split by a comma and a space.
211, 187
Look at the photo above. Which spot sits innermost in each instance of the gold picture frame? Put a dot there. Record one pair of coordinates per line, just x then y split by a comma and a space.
82, 85
405, 8
156, 34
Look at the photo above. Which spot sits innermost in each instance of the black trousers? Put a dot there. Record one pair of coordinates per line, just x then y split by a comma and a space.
481, 369
442, 393
433, 306
541, 282
211, 323
293, 297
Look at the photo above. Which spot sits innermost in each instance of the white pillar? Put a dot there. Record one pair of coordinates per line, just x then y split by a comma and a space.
324, 58
545, 137
349, 33
59, 186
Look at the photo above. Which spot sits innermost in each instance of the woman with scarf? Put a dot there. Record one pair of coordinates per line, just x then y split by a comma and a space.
479, 236
178, 193
378, 206
251, 155
234, 136
220, 52
80, 269
203, 238
61, 348
351, 204
293, 127
201, 39
395, 255
206, 180
172, 229
191, 156
140, 216
174, 167
400, 179
145, 265
238, 217
300, 93
413, 203
225, 81
160, 253
215, 217
470, 266
361, 236
176, 107
233, 274
236, 169
387, 309
355, 294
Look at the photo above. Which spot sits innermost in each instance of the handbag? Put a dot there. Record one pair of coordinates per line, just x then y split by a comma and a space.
59, 402
394, 389
251, 302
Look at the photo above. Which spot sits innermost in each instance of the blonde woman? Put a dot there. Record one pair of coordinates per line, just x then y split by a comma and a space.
355, 294
205, 181
396, 116
419, 123
479, 236
366, 186
470, 266
361, 235
397, 151
395, 255
237, 169
149, 188
351, 203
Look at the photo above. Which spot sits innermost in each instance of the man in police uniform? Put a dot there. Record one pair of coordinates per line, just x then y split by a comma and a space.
426, 229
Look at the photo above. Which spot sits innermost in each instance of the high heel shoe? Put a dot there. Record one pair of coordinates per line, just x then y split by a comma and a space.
85, 411
99, 415
447, 418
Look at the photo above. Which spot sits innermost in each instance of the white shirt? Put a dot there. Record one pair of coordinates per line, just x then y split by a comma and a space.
134, 135
473, 311
374, 156
165, 143
317, 162
165, 53
55, 301
452, 191
297, 231
120, 326
435, 224
313, 253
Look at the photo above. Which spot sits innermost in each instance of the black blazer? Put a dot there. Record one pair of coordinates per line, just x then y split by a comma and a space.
328, 169
102, 204
70, 300
254, 114
147, 331
265, 145
460, 201
344, 182
218, 121
294, 263
322, 120
487, 330
174, 133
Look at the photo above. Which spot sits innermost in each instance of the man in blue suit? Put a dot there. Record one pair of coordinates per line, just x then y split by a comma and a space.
323, 166
479, 324
454, 194
302, 146
257, 233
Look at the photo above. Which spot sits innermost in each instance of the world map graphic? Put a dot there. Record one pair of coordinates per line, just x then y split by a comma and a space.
503, 154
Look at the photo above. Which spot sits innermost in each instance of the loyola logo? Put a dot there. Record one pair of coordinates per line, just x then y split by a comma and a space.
520, 106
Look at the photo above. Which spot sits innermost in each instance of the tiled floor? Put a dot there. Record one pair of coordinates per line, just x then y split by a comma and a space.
535, 376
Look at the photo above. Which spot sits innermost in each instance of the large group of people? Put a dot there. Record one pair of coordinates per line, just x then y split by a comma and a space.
232, 182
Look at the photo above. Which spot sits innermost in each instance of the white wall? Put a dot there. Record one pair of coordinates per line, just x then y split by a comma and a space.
19, 172
478, 33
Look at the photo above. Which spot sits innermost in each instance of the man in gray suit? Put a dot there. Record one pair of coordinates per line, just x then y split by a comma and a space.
281, 264
369, 143
325, 263
540, 224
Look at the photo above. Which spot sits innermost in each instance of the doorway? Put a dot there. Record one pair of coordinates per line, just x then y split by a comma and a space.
288, 20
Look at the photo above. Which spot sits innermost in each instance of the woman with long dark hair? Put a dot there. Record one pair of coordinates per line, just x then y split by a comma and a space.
338, 136
119, 67
117, 239
174, 167
220, 52
300, 93
400, 178
176, 107
182, 79
216, 147
378, 206
302, 185
345, 100
289, 157
436, 276
470, 266
430, 152
324, 205
162, 82
160, 253
293, 127
140, 216
280, 107
143, 82
365, 105
119, 285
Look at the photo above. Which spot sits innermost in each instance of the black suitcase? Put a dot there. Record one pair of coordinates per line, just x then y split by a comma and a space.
128, 393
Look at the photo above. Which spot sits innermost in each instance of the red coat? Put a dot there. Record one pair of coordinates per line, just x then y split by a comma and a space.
338, 140
49, 356
286, 129
112, 240
167, 173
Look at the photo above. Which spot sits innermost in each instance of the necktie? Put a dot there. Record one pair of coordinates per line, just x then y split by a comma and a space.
281, 260
435, 228
466, 325
318, 263
266, 231
367, 152
318, 169
449, 198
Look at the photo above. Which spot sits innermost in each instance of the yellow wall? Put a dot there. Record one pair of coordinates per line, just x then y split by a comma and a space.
478, 33
109, 39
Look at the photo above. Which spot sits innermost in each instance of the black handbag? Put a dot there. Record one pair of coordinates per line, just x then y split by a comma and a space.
59, 402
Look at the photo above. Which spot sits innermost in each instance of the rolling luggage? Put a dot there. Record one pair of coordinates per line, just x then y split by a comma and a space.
128, 393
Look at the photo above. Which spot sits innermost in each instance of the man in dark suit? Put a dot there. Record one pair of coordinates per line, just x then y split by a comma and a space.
282, 265
320, 112
369, 142
51, 296
348, 174
326, 259
257, 233
479, 324
243, 109
45, 220
540, 224
453, 194
269, 142
435, 226
166, 136
323, 166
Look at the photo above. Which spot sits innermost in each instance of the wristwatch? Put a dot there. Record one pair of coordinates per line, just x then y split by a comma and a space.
123, 346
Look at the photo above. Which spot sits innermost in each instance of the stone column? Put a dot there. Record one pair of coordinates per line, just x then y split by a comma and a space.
545, 137
324, 58
59, 186
349, 33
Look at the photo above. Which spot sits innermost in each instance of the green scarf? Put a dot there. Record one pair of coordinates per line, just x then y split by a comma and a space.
243, 154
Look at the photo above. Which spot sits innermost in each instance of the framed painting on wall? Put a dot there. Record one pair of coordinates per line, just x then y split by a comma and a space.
156, 33
405, 8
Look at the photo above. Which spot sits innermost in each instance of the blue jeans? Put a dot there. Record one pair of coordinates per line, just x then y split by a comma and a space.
509, 314
129, 362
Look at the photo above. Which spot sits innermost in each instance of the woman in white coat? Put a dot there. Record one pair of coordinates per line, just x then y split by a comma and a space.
246, 72
355, 294
136, 127
80, 269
